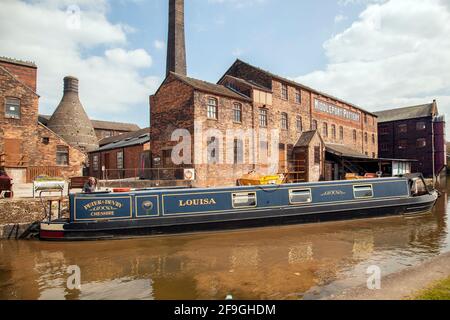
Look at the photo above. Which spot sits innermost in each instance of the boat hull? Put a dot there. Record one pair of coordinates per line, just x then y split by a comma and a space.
122, 229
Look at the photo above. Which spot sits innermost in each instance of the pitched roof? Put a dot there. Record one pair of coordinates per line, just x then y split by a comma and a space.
344, 151
210, 87
249, 83
297, 84
101, 125
123, 136
127, 140
420, 111
305, 138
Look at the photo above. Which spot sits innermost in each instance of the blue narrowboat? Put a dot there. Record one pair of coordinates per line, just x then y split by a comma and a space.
161, 211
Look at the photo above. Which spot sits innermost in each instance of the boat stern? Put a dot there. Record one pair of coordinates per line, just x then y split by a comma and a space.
52, 231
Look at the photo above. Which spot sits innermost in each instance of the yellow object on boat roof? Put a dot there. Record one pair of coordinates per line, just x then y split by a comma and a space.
254, 179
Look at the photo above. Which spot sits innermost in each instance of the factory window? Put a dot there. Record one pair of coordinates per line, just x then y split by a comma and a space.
333, 131
317, 155
355, 136
341, 133
373, 138
374, 155
120, 160
366, 119
403, 128
284, 121
212, 109
384, 131
325, 129
46, 140
95, 165
384, 147
263, 121
62, 155
284, 92
167, 158
403, 144
299, 124
298, 96
421, 143
421, 126
366, 138
237, 113
238, 151
314, 125
300, 196
12, 108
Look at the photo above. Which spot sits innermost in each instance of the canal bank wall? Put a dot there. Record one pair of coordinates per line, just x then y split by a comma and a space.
17, 217
403, 285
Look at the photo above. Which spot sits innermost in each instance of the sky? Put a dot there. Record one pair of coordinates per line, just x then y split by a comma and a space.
378, 54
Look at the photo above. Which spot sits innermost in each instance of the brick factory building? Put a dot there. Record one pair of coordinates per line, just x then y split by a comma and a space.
319, 138
416, 132
103, 129
121, 157
27, 147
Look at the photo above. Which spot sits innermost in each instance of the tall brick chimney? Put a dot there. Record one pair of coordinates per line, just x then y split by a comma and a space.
176, 47
70, 121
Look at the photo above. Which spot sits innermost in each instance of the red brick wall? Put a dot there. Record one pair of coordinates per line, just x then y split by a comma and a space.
26, 74
30, 133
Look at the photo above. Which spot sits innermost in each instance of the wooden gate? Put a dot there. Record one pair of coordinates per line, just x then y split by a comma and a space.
33, 172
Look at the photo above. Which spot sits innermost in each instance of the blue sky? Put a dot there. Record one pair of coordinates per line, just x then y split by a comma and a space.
376, 53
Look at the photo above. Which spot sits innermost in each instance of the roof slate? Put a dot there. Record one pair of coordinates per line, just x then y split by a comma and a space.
126, 140
210, 87
101, 125
343, 151
420, 111
295, 83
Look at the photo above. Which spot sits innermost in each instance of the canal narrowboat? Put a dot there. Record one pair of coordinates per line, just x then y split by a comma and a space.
163, 211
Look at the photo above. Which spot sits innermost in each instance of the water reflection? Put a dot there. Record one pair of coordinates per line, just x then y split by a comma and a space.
309, 261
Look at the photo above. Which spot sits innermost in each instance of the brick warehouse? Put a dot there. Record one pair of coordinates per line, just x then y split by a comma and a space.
415, 132
310, 123
318, 133
25, 143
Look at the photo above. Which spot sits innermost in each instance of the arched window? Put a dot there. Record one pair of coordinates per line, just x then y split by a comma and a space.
333, 131
299, 124
212, 109
284, 121
237, 113
314, 125
355, 136
325, 129
341, 133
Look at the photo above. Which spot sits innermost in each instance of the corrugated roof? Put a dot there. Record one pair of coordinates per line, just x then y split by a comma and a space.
210, 87
138, 138
101, 125
343, 151
295, 83
420, 111
123, 136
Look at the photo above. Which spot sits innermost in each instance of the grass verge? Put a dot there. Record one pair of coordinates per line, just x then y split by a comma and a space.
438, 291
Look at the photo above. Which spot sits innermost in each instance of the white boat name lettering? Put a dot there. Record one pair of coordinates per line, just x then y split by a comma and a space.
197, 202
333, 193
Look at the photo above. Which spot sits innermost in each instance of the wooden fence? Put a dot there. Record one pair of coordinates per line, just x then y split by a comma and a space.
33, 172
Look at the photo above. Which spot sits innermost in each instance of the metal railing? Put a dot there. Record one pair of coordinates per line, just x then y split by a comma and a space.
157, 174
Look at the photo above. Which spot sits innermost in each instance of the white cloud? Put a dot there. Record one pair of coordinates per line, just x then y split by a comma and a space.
238, 3
158, 44
339, 18
111, 80
396, 54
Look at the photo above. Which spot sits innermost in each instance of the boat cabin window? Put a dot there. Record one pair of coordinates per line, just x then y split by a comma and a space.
361, 192
244, 200
300, 196
418, 188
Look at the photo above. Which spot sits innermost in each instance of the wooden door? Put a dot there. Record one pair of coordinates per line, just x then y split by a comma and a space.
282, 158
13, 153
300, 173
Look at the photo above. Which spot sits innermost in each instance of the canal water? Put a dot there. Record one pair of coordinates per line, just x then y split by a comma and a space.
295, 262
